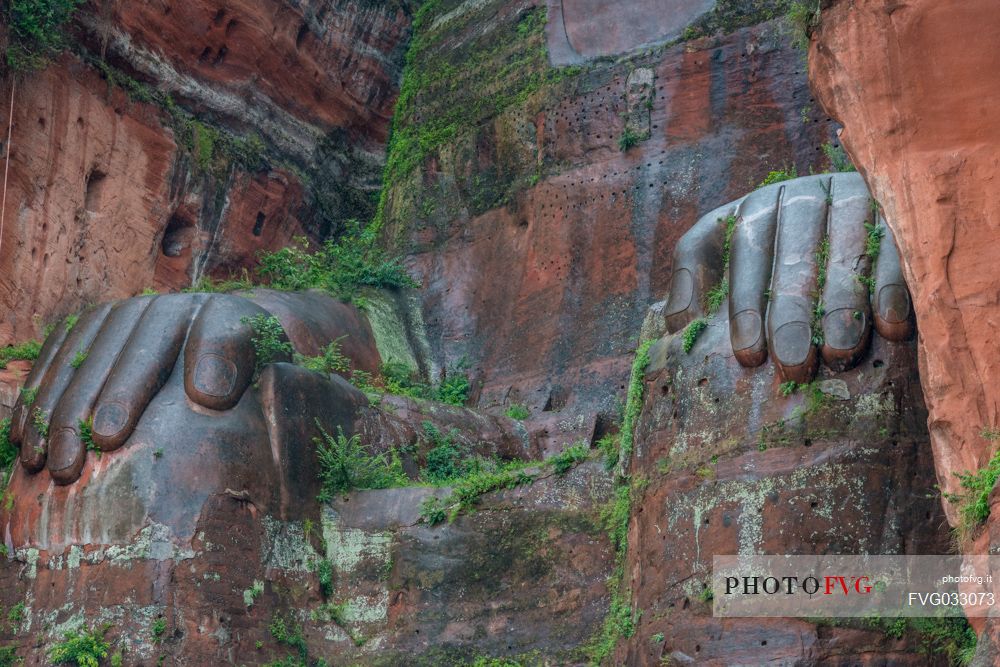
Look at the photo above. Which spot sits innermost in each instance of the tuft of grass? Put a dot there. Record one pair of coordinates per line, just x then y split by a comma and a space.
788, 388
691, 332
517, 411
84, 648
71, 321
28, 396
324, 573
777, 176
345, 464
251, 594
990, 433
78, 358
838, 157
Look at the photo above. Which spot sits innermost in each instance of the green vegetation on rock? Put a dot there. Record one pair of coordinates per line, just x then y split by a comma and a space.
84, 648
26, 351
345, 464
36, 31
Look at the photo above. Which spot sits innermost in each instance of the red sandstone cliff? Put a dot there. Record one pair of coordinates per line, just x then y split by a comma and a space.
916, 86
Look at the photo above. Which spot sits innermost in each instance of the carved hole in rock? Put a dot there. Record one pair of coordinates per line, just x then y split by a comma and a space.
94, 190
177, 237
878, 363
220, 56
231, 26
206, 52
814, 504
41, 122
219, 15
258, 226
807, 442
301, 36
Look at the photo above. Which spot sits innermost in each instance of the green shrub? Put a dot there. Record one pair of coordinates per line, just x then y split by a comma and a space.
454, 389
289, 633
517, 411
446, 460
36, 31
86, 428
340, 266
26, 351
84, 648
345, 464
788, 388
8, 657
40, 421
873, 240
974, 504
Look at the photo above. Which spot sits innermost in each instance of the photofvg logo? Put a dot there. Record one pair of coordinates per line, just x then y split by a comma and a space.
853, 586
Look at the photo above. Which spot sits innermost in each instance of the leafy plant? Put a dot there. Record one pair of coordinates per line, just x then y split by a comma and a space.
454, 389
517, 411
873, 240
86, 428
331, 360
269, 341
788, 388
289, 634
974, 504
157, 629
691, 332
345, 464
251, 594
446, 460
628, 139
84, 648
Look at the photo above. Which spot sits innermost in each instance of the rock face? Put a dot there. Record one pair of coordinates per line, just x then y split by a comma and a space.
537, 189
923, 137
730, 466
114, 189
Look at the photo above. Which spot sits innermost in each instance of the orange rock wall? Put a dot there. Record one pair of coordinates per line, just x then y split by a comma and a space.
916, 86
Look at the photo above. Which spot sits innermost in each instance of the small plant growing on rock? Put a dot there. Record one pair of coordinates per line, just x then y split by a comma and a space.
268, 339
324, 572
86, 428
331, 360
157, 629
628, 139
251, 594
26, 351
838, 157
788, 388
78, 358
873, 241
84, 648
517, 411
779, 175
454, 389
28, 396
565, 460
345, 464
691, 332
41, 422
